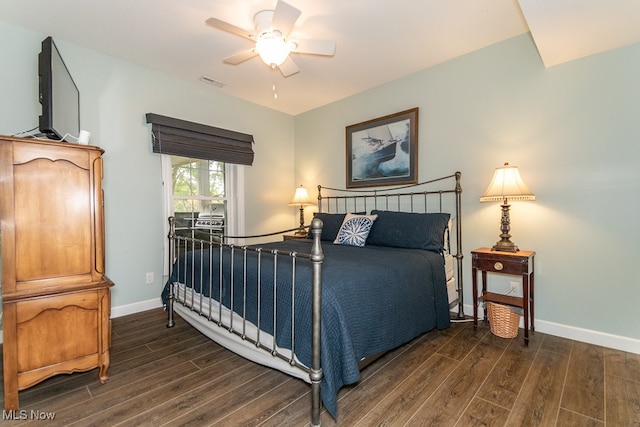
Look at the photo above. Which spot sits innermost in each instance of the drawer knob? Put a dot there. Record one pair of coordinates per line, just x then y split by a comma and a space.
498, 266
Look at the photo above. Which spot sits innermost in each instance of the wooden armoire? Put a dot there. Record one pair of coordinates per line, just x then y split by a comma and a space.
55, 295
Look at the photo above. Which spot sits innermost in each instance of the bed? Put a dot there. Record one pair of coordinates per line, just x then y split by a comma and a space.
378, 269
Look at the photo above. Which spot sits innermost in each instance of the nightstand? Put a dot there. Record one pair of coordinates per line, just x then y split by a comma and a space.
513, 263
294, 237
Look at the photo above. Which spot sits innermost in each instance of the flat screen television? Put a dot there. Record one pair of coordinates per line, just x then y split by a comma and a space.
59, 95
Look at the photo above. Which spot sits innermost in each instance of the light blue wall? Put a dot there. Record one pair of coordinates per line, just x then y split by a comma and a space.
115, 96
572, 129
574, 132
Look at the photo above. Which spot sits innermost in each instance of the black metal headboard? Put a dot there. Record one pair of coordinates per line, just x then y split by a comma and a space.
437, 195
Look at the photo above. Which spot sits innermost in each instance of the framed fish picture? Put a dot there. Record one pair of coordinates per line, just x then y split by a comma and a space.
383, 151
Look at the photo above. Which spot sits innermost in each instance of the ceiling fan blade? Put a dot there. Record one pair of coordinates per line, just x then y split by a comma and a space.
230, 28
284, 17
288, 67
314, 47
240, 56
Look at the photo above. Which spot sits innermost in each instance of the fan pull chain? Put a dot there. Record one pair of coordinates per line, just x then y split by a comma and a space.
273, 87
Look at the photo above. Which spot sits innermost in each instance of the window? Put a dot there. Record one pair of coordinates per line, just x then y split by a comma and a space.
198, 189
202, 172
195, 187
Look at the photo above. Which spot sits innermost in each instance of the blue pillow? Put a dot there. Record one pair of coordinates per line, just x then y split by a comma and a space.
409, 230
354, 230
331, 223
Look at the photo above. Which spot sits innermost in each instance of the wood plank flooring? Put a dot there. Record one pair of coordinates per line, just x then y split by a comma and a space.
456, 377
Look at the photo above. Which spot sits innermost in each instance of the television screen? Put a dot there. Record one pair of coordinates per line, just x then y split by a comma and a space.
59, 95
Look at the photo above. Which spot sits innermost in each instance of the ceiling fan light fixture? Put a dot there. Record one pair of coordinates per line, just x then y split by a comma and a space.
270, 39
273, 48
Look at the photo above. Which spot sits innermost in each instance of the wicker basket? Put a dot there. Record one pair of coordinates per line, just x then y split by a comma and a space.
503, 320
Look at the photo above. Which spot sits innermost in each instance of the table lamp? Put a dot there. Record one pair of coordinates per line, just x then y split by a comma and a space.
301, 198
507, 184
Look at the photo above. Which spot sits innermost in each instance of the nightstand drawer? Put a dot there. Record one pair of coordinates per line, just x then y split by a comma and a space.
516, 263
502, 266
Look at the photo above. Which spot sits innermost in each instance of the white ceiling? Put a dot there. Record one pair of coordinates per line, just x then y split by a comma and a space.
374, 44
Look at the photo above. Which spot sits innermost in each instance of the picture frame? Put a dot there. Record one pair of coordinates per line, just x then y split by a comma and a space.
383, 151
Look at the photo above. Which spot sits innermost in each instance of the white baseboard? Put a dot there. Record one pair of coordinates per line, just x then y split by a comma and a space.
592, 337
136, 307
603, 339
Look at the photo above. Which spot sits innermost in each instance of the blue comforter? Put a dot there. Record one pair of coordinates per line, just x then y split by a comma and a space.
374, 299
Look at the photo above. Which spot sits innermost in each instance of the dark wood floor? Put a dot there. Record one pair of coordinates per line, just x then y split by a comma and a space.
178, 377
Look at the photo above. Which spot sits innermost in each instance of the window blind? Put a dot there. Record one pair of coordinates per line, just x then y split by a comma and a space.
188, 139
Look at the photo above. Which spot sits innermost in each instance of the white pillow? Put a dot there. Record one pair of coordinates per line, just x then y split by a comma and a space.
354, 229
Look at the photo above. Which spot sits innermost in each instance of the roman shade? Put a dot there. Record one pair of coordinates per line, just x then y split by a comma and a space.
188, 139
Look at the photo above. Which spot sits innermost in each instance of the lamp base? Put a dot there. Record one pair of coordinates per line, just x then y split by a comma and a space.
505, 246
301, 232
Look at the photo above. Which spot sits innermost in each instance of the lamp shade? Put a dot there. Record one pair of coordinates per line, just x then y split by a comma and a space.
301, 198
507, 184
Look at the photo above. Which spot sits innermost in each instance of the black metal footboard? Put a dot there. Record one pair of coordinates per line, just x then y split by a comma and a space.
193, 263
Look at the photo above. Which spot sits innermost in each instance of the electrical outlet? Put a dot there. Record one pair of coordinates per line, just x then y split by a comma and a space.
514, 286
149, 278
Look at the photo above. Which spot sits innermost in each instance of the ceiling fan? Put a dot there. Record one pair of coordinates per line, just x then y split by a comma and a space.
272, 28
